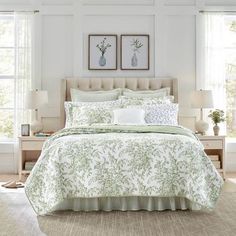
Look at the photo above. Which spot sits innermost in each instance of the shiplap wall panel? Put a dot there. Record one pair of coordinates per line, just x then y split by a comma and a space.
57, 2
220, 2
180, 2
57, 56
118, 2
17, 2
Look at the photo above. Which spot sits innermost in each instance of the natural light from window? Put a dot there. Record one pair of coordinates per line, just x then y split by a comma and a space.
230, 57
7, 76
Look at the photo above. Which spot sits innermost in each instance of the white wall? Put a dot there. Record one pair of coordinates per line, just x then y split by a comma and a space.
62, 28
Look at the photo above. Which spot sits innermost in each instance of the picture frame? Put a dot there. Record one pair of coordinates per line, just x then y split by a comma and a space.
134, 52
25, 130
102, 52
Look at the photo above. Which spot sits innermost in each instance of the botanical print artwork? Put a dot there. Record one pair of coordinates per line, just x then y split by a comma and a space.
102, 52
135, 52
118, 161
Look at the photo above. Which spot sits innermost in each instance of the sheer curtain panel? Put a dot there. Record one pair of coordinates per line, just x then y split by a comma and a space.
23, 67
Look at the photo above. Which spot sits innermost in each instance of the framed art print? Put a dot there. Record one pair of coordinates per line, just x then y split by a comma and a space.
102, 52
134, 52
25, 130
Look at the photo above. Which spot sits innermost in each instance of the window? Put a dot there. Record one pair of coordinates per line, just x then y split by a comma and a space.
15, 71
220, 64
230, 64
7, 76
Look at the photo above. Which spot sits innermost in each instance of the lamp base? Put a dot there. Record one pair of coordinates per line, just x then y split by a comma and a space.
201, 127
36, 126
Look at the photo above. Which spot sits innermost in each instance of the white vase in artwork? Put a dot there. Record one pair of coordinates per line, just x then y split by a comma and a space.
134, 60
102, 61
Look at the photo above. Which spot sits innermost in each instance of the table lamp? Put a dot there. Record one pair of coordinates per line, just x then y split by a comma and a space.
202, 99
35, 100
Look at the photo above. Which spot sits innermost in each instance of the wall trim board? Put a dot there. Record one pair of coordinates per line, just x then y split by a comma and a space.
124, 2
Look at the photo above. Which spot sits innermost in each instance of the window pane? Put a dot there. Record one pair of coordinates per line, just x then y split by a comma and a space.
6, 93
6, 124
6, 31
230, 57
6, 61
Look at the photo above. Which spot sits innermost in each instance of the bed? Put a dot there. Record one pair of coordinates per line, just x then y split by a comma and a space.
122, 167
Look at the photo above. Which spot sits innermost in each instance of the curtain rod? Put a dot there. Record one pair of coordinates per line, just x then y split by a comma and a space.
217, 11
11, 11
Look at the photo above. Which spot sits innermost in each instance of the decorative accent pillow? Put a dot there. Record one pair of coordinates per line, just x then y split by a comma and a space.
94, 96
90, 115
72, 109
162, 114
129, 101
129, 116
147, 93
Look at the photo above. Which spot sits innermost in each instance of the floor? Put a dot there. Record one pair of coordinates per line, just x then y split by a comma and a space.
18, 218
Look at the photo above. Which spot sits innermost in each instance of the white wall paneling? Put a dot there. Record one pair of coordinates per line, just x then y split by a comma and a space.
62, 28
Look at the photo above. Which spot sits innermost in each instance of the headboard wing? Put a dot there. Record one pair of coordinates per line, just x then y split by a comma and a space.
95, 84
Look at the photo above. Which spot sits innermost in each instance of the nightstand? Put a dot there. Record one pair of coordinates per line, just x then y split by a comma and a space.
214, 147
29, 151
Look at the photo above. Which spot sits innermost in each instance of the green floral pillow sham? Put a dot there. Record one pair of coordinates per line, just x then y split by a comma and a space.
91, 115
130, 101
87, 113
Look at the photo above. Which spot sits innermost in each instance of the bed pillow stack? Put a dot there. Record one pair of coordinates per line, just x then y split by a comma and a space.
90, 107
158, 105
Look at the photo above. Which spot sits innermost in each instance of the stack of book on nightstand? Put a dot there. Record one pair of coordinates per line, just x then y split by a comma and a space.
29, 165
43, 134
215, 160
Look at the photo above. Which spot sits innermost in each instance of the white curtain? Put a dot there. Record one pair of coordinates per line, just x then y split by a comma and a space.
214, 58
23, 34
23, 73
211, 60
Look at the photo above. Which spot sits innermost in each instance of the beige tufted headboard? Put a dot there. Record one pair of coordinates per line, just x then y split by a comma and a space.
94, 84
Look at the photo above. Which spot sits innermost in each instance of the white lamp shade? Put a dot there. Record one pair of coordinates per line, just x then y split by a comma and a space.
36, 99
202, 99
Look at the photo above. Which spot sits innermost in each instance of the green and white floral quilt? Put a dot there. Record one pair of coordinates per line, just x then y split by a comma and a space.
113, 161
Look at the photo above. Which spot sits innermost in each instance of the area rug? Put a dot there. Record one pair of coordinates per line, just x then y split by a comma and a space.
18, 218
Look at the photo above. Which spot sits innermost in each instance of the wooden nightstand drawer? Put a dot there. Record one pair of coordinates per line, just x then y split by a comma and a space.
212, 144
32, 145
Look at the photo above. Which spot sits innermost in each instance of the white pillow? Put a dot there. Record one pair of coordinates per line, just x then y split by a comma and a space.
126, 116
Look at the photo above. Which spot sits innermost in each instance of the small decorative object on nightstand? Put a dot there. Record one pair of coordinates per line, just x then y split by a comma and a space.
29, 151
202, 99
217, 116
25, 130
214, 147
35, 100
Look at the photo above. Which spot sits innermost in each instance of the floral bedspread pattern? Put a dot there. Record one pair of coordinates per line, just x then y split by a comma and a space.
107, 161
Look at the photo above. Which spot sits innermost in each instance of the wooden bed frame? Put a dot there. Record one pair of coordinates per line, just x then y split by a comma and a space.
99, 84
